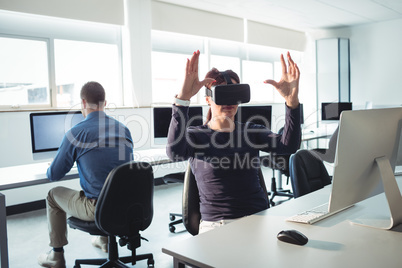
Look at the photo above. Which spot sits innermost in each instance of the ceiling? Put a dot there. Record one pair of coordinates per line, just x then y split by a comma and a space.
302, 15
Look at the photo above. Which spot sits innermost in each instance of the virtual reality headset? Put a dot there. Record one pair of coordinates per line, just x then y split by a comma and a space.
229, 94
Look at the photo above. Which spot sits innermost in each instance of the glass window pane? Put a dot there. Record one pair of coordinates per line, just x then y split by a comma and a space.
168, 74
254, 74
78, 62
24, 75
223, 63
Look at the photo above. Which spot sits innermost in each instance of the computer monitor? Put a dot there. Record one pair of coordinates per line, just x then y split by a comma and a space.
331, 111
366, 153
261, 115
161, 121
48, 129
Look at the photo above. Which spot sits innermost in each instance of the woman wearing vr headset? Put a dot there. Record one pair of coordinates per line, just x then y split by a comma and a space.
224, 154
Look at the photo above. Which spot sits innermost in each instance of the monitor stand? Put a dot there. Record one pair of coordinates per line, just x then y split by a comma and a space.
393, 196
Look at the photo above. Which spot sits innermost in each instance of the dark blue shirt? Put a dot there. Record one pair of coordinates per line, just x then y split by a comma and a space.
225, 164
98, 144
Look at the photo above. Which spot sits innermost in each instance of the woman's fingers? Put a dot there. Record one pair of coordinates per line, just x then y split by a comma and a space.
194, 62
297, 71
187, 66
272, 82
207, 81
284, 71
291, 64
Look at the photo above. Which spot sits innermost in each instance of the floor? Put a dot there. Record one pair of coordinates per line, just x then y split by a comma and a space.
27, 233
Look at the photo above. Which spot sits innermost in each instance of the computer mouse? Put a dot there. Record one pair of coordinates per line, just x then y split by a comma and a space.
293, 237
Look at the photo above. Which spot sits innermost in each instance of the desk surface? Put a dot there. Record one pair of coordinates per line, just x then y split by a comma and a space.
316, 133
33, 174
333, 242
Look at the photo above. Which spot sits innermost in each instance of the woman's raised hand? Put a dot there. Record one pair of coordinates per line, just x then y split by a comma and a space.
192, 84
288, 86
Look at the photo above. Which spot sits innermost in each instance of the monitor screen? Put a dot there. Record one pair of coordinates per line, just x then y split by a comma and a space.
48, 129
256, 114
162, 116
333, 110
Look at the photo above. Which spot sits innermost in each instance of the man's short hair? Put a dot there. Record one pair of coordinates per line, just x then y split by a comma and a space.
93, 93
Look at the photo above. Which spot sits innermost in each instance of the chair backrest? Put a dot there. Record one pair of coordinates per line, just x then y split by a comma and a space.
125, 204
191, 201
280, 161
307, 173
328, 155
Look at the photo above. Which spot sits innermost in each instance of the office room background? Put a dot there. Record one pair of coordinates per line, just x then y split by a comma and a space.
140, 48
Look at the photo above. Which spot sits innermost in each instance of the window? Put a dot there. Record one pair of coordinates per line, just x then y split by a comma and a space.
168, 70
252, 63
223, 63
78, 62
24, 72
44, 61
254, 74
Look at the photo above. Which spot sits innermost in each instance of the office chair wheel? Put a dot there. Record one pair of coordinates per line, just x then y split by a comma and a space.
151, 263
172, 229
172, 217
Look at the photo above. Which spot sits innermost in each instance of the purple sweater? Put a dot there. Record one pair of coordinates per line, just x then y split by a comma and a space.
225, 164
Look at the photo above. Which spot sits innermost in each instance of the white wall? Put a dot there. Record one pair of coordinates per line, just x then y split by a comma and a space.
375, 61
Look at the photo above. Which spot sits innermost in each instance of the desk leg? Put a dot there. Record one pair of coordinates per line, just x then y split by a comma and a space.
177, 263
3, 233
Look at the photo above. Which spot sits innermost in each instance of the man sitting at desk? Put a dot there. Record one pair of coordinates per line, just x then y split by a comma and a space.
98, 144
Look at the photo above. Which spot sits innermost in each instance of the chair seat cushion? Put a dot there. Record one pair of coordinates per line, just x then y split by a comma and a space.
86, 226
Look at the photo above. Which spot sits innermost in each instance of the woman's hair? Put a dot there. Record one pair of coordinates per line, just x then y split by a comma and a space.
218, 76
219, 79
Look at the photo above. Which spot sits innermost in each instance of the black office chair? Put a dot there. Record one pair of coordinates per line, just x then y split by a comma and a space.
169, 178
328, 154
124, 207
191, 201
307, 173
280, 163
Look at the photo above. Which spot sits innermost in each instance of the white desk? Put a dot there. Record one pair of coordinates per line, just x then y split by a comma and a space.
34, 174
28, 175
333, 242
315, 134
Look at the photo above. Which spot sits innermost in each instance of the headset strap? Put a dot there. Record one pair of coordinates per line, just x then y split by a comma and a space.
227, 78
